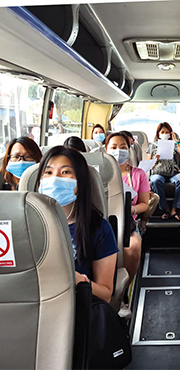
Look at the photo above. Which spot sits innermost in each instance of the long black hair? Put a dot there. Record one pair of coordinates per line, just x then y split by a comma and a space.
87, 218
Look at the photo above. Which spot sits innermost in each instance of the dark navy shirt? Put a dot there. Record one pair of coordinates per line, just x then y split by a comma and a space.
103, 245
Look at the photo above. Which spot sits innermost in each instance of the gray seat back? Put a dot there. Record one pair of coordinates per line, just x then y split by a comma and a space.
1, 159
2, 181
143, 141
133, 158
113, 187
37, 296
45, 148
92, 143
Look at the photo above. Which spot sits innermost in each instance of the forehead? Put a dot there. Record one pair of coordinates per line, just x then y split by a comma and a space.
59, 161
98, 129
18, 148
165, 129
119, 140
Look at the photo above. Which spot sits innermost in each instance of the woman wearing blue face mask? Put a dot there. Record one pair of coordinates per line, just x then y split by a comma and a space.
20, 154
64, 175
98, 133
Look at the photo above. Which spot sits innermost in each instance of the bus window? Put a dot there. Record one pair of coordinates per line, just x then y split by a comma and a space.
21, 103
146, 117
66, 118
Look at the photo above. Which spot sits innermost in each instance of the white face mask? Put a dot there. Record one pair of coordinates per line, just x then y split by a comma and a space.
121, 155
164, 136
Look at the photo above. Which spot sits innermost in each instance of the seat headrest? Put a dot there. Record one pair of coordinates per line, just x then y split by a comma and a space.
92, 143
40, 286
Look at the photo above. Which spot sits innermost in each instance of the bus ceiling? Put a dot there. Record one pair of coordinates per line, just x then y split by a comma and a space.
108, 53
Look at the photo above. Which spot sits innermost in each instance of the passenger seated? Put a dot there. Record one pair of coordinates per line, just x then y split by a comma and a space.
134, 145
164, 132
74, 142
20, 154
98, 133
63, 175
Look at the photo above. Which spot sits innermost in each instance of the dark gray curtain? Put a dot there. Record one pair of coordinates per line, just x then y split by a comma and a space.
115, 111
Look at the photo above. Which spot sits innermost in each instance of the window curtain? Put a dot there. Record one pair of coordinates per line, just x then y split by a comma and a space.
116, 109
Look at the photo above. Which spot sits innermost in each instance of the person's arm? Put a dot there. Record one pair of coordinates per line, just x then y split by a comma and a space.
103, 277
142, 203
148, 156
176, 142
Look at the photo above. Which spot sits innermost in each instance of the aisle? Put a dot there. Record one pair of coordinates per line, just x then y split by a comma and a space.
155, 323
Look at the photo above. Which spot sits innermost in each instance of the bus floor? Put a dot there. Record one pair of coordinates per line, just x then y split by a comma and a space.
155, 302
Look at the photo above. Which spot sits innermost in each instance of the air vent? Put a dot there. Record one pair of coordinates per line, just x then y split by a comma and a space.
158, 50
177, 51
148, 50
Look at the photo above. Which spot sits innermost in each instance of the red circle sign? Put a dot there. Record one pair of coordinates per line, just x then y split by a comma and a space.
4, 251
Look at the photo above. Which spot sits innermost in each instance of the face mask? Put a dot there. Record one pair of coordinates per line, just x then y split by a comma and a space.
121, 155
59, 188
132, 146
164, 136
99, 137
17, 168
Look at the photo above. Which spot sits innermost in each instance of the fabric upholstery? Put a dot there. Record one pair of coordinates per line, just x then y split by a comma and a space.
37, 297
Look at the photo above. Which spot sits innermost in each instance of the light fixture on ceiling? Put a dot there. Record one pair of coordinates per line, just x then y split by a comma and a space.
166, 66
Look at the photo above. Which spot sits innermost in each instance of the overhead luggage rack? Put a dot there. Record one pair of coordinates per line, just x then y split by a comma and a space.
42, 51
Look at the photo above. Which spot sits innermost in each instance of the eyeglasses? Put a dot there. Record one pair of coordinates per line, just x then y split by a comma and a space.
18, 157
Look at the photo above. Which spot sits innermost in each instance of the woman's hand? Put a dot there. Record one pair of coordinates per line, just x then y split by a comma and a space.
173, 136
79, 277
157, 156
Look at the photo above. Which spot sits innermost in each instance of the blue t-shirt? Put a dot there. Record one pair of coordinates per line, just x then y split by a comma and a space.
103, 245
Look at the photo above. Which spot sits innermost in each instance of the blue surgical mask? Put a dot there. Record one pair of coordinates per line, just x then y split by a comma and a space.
99, 137
121, 155
59, 188
132, 146
17, 168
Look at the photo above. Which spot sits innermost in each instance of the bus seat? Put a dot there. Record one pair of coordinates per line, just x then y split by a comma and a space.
37, 294
2, 181
143, 141
132, 157
1, 159
28, 180
113, 187
45, 148
92, 143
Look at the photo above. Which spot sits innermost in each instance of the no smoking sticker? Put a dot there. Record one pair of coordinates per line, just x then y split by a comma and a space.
7, 257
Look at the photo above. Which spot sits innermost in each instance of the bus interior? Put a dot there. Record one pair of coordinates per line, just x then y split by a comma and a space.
65, 68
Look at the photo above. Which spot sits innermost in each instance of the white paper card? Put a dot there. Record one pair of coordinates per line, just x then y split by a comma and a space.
127, 188
165, 149
7, 257
147, 165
